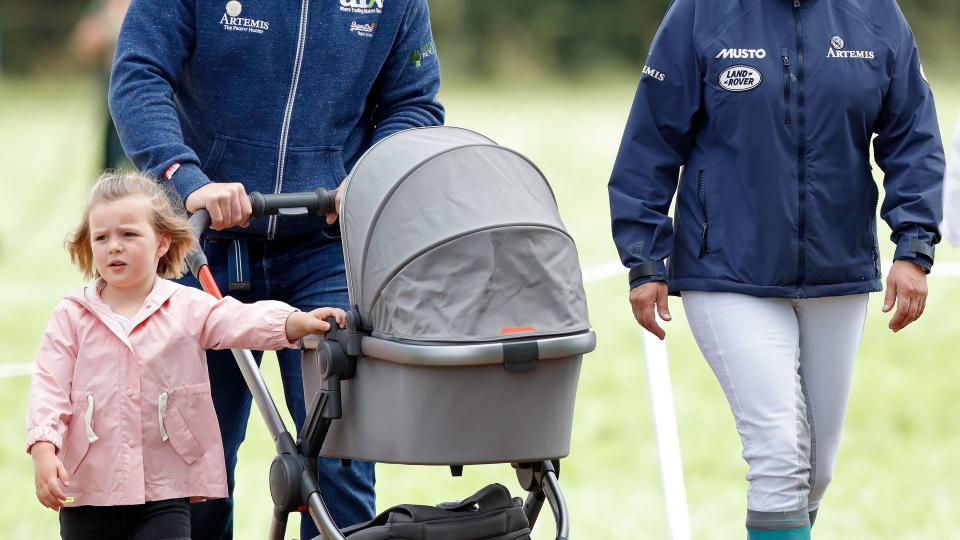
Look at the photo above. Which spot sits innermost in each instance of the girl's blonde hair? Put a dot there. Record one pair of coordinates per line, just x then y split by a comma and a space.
169, 220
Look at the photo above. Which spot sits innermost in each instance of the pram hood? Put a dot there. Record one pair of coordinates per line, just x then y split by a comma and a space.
449, 237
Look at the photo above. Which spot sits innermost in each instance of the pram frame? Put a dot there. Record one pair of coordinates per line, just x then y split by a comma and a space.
293, 483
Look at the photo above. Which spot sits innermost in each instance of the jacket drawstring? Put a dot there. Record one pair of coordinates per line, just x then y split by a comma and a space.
91, 436
162, 410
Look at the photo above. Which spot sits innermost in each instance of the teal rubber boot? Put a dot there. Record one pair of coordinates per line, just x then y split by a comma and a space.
803, 533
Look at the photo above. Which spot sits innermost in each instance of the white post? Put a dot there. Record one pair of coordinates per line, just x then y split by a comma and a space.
668, 440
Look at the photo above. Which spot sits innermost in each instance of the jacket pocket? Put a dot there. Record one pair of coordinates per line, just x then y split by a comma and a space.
251, 163
872, 229
310, 167
211, 164
787, 84
74, 450
80, 434
174, 429
702, 199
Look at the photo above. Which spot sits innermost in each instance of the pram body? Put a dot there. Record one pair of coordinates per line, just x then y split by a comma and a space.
467, 327
456, 256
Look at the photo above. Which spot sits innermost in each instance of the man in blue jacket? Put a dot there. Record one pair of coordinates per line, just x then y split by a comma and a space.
758, 115
220, 98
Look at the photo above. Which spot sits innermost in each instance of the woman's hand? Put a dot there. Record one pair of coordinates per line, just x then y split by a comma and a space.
301, 324
48, 473
906, 289
648, 299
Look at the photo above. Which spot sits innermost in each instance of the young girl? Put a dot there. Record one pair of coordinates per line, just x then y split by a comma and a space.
120, 422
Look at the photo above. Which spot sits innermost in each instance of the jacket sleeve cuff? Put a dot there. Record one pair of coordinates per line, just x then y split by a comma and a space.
278, 320
646, 272
916, 251
187, 179
44, 434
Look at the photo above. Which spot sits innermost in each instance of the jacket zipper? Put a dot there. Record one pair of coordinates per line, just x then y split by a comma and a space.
876, 247
801, 152
702, 197
288, 111
785, 56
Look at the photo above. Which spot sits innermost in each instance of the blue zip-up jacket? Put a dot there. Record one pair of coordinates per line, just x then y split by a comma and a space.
769, 107
281, 96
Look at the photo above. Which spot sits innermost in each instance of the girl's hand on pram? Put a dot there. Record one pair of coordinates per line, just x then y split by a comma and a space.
48, 473
300, 324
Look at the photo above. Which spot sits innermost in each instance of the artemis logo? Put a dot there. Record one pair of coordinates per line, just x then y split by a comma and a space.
232, 22
864, 55
742, 53
650, 72
836, 50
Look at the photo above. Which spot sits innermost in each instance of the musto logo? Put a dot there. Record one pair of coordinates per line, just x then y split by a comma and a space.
740, 78
742, 53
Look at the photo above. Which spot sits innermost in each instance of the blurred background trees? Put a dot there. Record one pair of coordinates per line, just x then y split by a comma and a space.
481, 38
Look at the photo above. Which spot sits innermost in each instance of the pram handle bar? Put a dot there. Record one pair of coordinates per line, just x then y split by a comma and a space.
475, 354
318, 202
199, 223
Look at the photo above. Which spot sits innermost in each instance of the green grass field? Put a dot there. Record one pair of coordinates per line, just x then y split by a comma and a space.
897, 476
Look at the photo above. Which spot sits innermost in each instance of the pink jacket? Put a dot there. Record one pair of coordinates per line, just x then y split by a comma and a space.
130, 411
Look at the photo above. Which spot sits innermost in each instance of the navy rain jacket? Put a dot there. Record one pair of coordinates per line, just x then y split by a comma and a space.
769, 107
281, 96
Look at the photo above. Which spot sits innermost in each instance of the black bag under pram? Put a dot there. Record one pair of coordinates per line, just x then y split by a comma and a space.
489, 514
464, 341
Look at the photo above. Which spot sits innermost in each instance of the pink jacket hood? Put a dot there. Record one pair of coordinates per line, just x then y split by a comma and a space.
128, 406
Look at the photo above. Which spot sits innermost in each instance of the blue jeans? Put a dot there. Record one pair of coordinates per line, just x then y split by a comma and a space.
306, 273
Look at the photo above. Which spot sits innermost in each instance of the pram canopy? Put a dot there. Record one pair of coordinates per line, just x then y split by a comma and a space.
449, 237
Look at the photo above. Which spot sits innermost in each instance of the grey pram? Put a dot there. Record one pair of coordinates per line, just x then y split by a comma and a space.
467, 326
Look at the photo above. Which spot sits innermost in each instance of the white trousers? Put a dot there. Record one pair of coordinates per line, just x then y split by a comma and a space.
785, 366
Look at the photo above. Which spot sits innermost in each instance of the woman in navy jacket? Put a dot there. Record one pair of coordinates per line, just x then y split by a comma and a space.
764, 110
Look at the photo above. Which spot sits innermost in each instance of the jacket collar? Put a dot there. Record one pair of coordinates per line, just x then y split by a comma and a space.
89, 298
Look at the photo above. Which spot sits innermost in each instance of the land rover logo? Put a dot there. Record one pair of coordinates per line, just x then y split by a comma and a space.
740, 78
837, 42
234, 8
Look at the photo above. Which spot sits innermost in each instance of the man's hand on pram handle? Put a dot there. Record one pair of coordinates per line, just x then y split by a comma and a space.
227, 204
319, 202
300, 324
335, 211
647, 300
